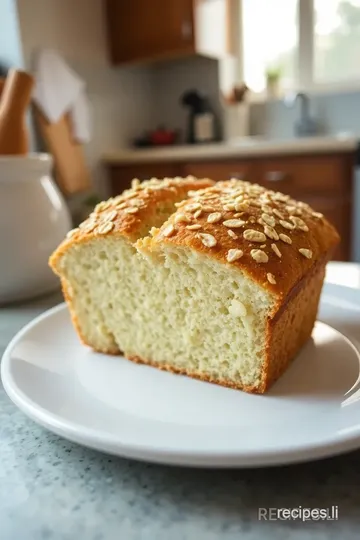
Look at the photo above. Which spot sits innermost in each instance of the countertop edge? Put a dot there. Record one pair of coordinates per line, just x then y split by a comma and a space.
228, 151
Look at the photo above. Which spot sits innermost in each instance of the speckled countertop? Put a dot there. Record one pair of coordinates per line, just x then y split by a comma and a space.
51, 489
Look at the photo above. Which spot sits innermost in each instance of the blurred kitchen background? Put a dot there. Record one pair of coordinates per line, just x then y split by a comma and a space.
266, 91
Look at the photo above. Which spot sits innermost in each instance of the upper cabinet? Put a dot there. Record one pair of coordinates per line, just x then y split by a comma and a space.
154, 30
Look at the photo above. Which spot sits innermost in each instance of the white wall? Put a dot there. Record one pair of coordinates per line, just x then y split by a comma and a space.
119, 97
170, 80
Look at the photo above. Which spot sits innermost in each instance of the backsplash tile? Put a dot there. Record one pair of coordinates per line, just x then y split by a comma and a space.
335, 113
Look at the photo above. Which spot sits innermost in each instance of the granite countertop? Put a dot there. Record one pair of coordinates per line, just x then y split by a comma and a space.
51, 489
246, 147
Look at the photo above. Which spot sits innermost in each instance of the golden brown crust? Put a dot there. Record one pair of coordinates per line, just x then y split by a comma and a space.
112, 217
241, 208
289, 331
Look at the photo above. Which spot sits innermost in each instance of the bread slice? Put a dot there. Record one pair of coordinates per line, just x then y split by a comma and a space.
226, 290
94, 261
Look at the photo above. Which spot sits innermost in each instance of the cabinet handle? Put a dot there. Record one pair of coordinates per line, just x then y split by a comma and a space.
276, 176
186, 30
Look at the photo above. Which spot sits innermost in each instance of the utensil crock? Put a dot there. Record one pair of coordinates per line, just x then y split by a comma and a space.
33, 220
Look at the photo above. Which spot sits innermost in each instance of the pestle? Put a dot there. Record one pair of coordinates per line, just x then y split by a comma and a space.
15, 99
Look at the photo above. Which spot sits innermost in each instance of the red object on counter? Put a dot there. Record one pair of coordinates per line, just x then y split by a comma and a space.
162, 137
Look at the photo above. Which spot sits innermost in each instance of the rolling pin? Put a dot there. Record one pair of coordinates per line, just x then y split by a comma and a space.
15, 99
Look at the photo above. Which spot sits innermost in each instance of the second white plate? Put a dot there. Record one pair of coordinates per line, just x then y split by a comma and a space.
130, 410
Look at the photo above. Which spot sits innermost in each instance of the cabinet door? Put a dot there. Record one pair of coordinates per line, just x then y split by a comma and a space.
121, 176
141, 30
298, 175
241, 169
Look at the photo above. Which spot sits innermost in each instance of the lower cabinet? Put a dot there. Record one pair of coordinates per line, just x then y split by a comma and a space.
120, 176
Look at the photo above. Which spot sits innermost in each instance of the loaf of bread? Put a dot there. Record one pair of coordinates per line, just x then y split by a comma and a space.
224, 289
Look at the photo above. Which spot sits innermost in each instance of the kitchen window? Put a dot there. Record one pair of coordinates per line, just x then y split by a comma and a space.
307, 44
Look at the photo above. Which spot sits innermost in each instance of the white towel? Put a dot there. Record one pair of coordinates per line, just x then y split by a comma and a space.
58, 90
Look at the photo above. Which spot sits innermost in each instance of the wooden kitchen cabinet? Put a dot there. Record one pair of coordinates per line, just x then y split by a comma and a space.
121, 176
152, 30
301, 175
293, 175
241, 169
325, 181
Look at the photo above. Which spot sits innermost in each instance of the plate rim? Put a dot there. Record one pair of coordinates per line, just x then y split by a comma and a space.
105, 442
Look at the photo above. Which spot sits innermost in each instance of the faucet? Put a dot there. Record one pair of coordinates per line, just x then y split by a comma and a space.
305, 125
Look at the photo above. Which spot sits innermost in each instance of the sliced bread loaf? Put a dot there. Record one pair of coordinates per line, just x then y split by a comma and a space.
225, 290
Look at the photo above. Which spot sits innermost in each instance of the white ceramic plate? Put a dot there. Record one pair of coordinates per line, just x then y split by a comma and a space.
111, 404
